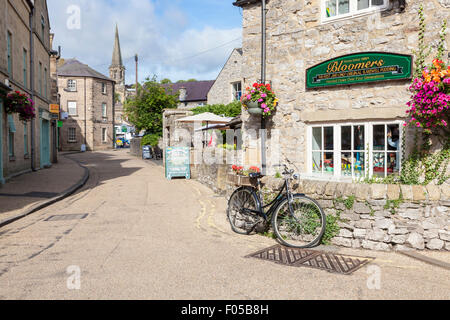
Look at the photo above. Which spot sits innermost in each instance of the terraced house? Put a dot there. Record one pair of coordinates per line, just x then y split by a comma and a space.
25, 67
341, 70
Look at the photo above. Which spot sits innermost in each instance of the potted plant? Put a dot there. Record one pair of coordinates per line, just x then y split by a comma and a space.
17, 102
240, 177
260, 99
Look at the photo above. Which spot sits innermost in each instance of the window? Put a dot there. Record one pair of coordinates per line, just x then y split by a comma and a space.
103, 88
237, 91
72, 108
104, 111
386, 150
355, 150
72, 136
25, 139
45, 82
9, 52
43, 28
40, 78
104, 135
25, 68
332, 9
72, 85
11, 144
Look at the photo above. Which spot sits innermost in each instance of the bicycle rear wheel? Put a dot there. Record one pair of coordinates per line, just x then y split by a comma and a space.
242, 221
304, 227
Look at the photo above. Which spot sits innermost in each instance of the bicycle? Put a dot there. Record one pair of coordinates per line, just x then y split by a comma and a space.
297, 221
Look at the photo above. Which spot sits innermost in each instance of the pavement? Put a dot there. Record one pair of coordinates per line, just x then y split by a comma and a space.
145, 237
33, 191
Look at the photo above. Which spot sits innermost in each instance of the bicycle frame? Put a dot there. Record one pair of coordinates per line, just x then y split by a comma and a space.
274, 204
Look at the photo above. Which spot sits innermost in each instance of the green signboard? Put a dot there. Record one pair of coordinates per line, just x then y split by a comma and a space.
359, 68
178, 162
60, 124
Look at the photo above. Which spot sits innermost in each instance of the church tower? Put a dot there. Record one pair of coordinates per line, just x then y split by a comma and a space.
117, 69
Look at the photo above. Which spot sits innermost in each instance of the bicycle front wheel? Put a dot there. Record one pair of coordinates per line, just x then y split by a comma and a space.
304, 227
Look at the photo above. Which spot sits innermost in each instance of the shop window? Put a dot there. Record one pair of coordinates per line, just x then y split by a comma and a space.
355, 150
333, 9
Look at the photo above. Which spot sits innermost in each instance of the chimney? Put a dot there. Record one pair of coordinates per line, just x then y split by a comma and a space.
183, 94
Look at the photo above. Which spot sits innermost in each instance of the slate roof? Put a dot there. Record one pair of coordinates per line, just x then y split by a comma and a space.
74, 68
196, 90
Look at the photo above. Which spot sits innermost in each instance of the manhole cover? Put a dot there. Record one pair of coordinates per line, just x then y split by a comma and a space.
327, 261
67, 217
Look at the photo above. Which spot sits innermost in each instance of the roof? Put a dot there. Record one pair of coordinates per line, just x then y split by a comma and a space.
74, 68
241, 3
195, 90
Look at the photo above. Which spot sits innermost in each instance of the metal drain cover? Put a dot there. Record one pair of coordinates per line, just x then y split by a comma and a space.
327, 261
67, 217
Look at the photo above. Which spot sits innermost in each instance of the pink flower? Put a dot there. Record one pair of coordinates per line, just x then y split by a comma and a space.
263, 106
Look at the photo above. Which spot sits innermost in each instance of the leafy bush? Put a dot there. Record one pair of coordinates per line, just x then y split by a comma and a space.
150, 140
230, 110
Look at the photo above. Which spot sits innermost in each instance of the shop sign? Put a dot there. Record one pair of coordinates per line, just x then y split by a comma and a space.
360, 68
54, 108
178, 162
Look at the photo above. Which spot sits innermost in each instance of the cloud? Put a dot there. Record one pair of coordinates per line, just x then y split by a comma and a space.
167, 46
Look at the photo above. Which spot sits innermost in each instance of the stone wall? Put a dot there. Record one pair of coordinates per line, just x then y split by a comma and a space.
222, 91
382, 217
135, 147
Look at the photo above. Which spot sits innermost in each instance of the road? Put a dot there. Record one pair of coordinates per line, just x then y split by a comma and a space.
148, 238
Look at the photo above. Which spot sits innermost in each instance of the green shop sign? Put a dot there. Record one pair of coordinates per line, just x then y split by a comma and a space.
178, 162
359, 68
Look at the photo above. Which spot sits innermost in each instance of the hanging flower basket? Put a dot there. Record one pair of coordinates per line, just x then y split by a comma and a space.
429, 105
17, 102
260, 100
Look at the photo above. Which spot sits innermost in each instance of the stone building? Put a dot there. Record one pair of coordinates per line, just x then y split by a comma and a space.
25, 67
228, 85
192, 94
87, 96
339, 132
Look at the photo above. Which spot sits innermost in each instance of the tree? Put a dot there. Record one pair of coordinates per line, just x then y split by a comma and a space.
145, 110
166, 81
230, 110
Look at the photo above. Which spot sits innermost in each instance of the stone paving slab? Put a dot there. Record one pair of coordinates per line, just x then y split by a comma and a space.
33, 190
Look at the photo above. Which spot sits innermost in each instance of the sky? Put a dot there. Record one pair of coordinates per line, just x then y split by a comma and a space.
175, 39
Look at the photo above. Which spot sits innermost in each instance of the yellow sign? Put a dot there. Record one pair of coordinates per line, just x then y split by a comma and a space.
54, 108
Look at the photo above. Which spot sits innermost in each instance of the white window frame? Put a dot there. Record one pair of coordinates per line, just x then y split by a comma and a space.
337, 152
354, 12
69, 108
71, 85
104, 135
104, 90
104, 110
234, 91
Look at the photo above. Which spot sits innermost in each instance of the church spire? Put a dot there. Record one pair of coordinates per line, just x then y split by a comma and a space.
117, 54
117, 69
